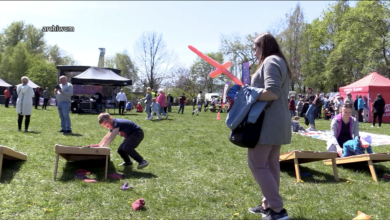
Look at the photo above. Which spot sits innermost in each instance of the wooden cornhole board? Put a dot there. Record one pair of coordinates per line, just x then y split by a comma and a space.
370, 158
79, 153
7, 153
298, 157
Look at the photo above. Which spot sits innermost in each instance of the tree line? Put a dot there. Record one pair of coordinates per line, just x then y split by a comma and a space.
342, 45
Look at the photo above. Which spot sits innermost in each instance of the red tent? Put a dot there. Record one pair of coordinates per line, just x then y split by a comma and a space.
370, 86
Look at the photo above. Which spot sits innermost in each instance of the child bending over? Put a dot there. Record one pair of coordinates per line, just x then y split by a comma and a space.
295, 125
356, 147
132, 134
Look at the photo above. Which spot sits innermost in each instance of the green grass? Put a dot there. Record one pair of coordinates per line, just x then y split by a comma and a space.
194, 173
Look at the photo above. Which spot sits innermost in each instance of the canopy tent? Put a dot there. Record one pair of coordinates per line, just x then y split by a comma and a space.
370, 86
95, 75
31, 84
4, 84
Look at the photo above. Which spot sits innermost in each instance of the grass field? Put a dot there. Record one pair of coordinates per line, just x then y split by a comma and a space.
194, 173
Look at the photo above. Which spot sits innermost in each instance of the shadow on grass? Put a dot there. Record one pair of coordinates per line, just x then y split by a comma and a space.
73, 134
329, 178
96, 167
33, 132
10, 168
363, 167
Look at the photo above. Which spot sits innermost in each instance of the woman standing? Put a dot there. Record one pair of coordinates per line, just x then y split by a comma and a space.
161, 99
273, 74
378, 110
24, 103
360, 108
311, 111
148, 102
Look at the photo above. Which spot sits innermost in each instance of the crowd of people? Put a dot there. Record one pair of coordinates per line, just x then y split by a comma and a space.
313, 105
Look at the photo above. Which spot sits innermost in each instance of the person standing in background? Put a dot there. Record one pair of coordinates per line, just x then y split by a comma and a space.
148, 101
366, 109
37, 96
378, 109
14, 96
161, 99
46, 97
7, 96
169, 102
64, 92
122, 99
24, 103
360, 108
182, 100
99, 101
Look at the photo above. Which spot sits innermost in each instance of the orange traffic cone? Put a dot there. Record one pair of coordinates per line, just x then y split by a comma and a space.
218, 116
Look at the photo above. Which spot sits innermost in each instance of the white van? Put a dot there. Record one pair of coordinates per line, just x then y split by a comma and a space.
290, 93
210, 96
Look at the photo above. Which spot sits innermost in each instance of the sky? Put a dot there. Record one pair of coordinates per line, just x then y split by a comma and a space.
116, 26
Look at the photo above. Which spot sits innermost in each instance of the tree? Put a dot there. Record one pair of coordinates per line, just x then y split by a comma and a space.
57, 56
14, 33
42, 72
154, 61
186, 81
34, 40
291, 40
238, 50
201, 70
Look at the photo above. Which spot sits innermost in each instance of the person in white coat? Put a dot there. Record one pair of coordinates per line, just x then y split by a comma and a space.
24, 103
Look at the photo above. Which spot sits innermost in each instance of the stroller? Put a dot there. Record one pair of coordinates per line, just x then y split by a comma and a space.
329, 113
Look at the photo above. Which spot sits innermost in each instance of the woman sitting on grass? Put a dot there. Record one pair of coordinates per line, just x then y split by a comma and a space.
344, 127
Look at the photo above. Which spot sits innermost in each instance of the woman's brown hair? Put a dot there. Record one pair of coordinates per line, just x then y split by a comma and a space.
268, 46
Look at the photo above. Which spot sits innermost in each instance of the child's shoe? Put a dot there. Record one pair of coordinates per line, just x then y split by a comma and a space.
126, 164
143, 164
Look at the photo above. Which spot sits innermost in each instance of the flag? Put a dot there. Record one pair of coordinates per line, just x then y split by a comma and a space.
224, 94
245, 74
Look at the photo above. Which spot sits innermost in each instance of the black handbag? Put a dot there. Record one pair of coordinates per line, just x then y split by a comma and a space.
247, 134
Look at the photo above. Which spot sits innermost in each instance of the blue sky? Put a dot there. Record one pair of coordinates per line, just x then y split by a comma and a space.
116, 26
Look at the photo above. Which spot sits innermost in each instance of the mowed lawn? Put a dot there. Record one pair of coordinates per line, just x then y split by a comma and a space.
194, 173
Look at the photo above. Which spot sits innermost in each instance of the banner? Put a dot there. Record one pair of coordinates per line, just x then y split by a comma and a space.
245, 74
224, 94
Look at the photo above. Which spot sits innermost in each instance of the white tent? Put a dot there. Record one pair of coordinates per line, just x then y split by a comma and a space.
4, 84
95, 75
31, 84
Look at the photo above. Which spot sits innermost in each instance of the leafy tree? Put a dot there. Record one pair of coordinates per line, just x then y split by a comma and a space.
34, 40
238, 50
42, 72
201, 70
14, 33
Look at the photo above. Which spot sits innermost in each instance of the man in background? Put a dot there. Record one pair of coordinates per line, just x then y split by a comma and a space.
182, 100
64, 92
7, 96
122, 99
46, 97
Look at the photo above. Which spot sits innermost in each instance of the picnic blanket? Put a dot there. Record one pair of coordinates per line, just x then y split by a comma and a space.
377, 139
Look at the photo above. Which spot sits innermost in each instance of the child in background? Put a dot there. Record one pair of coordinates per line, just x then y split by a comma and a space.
132, 134
155, 108
129, 106
295, 125
139, 107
